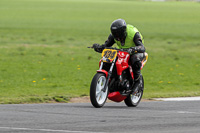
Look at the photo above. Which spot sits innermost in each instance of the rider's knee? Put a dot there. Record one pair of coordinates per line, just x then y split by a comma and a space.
136, 59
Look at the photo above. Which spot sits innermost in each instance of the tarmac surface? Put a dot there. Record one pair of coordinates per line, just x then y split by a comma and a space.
148, 117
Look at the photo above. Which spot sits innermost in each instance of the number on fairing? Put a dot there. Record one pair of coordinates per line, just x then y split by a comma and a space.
109, 55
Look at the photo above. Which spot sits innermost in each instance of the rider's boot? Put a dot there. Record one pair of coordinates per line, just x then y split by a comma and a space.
135, 87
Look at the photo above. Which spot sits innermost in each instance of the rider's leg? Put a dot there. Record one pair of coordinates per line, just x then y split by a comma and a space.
136, 66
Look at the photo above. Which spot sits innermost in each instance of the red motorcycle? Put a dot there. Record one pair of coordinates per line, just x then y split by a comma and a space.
114, 77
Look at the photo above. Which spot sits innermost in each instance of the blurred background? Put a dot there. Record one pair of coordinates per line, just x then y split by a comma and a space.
44, 55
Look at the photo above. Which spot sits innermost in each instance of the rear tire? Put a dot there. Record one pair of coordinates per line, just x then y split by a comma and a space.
97, 96
134, 100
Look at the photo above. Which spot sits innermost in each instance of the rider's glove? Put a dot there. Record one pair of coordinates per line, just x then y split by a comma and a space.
97, 47
132, 50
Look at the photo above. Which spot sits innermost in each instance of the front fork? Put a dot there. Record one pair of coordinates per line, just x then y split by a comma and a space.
109, 74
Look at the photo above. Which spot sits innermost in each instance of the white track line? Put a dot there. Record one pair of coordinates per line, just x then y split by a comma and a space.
46, 130
179, 99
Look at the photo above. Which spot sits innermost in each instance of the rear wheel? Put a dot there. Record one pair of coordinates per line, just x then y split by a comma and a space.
97, 96
134, 99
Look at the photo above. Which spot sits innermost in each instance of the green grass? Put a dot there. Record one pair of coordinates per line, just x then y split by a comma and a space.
44, 55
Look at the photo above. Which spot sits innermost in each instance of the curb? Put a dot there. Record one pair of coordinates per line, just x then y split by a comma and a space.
179, 99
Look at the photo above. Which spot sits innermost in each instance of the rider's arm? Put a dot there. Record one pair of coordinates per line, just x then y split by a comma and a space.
138, 42
109, 42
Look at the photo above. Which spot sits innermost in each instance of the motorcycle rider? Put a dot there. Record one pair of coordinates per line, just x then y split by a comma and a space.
128, 37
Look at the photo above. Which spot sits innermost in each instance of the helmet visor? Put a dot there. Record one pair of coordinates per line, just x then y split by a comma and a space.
119, 34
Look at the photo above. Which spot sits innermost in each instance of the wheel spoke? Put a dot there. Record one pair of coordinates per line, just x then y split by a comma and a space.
98, 89
98, 96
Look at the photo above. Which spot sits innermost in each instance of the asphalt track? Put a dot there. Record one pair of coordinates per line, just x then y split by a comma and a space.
148, 117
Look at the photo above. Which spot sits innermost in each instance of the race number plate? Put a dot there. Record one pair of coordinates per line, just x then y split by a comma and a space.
108, 55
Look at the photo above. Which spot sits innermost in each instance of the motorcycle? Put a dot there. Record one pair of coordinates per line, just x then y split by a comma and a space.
114, 77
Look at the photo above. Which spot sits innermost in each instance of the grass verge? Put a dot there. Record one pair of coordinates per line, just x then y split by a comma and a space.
44, 55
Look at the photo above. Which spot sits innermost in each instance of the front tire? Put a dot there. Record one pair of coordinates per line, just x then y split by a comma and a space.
97, 96
134, 99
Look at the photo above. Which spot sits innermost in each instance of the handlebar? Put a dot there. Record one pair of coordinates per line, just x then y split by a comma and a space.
125, 50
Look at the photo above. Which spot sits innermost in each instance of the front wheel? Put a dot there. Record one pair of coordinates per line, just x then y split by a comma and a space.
134, 99
97, 96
